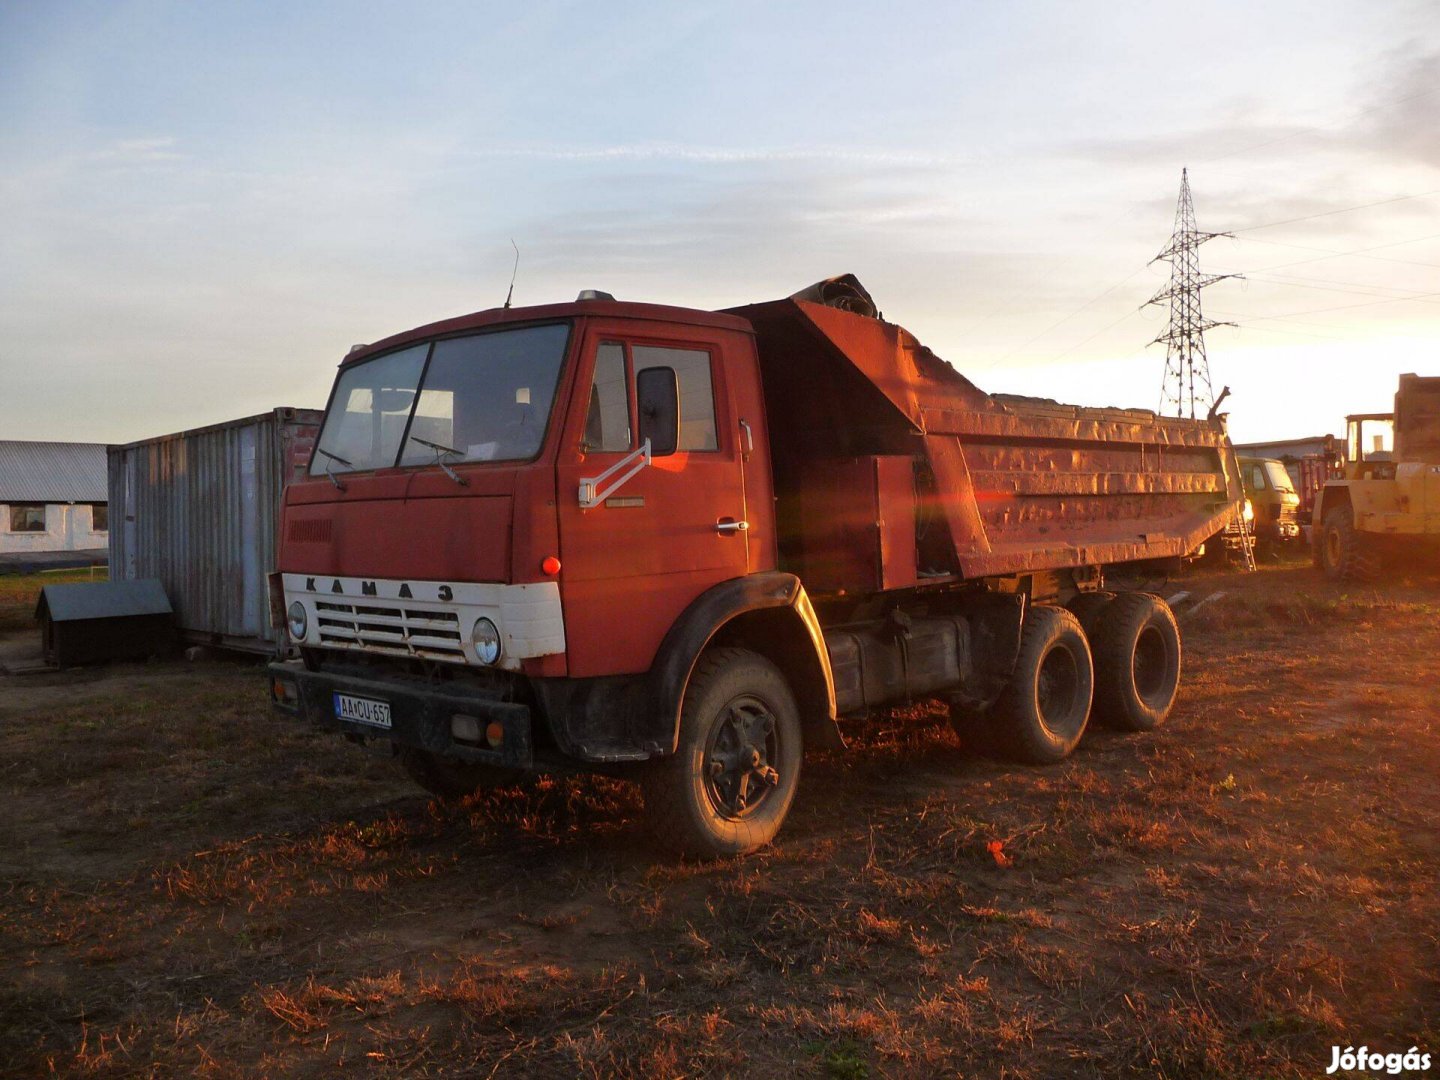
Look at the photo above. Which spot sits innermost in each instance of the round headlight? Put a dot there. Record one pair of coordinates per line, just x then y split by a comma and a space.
299, 621
1249, 511
486, 640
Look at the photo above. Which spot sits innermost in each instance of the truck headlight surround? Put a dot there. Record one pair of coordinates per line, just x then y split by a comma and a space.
486, 639
298, 621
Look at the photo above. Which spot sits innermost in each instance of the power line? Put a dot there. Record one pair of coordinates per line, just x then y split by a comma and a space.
1355, 289
1067, 318
1129, 314
1344, 210
1331, 253
1347, 307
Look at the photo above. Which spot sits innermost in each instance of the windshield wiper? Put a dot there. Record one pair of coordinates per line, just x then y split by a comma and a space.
440, 450
330, 475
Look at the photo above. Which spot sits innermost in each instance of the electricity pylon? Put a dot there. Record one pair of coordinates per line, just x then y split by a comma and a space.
1186, 388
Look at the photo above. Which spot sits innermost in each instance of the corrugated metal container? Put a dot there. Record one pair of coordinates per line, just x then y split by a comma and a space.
199, 510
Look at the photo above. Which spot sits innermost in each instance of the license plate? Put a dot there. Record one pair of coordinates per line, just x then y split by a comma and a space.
362, 710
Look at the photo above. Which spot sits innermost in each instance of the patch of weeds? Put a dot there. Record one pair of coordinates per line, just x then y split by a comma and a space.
1279, 1025
843, 1060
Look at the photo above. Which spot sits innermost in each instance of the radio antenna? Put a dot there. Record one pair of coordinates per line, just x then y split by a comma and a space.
510, 295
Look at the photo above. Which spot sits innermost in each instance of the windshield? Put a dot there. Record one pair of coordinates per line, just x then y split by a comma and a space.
1371, 438
1279, 478
485, 397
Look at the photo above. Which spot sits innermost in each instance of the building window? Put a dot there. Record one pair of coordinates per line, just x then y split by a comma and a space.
99, 517
27, 517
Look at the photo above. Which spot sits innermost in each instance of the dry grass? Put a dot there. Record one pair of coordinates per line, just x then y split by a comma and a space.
193, 886
20, 592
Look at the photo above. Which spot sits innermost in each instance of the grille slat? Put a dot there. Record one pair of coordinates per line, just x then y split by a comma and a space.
377, 626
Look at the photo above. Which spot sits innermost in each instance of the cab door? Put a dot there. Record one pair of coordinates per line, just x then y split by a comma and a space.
634, 562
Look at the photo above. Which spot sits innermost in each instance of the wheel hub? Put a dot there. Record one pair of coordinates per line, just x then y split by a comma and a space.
1057, 690
738, 768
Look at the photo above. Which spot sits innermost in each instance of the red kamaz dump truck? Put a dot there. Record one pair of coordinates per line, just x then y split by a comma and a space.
675, 545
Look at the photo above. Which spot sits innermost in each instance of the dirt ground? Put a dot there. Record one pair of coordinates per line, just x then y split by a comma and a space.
191, 885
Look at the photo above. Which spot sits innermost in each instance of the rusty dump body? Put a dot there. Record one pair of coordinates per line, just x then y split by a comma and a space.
963, 484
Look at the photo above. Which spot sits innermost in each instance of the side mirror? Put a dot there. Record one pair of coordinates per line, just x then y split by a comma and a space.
658, 394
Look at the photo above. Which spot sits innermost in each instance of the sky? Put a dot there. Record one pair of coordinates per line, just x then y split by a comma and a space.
204, 205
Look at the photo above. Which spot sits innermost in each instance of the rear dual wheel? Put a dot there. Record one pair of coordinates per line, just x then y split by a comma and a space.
1115, 656
1041, 715
1136, 642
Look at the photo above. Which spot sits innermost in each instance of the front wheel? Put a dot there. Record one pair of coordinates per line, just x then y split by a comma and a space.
729, 784
1345, 553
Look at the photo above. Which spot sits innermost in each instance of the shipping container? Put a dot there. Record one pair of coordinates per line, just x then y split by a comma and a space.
198, 510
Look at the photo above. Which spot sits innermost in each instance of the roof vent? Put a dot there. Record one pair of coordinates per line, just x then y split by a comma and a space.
593, 294
356, 348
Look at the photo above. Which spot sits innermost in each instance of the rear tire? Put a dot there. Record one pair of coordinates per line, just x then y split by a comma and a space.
1137, 663
450, 780
1042, 713
1346, 554
1088, 609
728, 786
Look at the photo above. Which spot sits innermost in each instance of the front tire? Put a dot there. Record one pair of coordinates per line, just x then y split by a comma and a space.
1042, 713
451, 780
728, 786
1137, 662
1345, 553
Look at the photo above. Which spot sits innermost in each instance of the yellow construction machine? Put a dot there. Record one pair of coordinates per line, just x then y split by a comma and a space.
1382, 502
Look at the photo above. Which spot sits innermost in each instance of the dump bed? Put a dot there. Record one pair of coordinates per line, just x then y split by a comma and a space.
892, 469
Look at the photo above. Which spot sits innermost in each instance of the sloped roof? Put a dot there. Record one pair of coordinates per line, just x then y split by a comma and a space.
103, 600
52, 472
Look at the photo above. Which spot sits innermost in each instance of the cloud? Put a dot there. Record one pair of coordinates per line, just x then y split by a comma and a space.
146, 151
722, 155
1402, 125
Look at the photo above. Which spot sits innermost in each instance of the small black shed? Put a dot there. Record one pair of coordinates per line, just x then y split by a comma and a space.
90, 622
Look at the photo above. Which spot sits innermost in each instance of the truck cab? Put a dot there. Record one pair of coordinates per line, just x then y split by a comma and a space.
1273, 500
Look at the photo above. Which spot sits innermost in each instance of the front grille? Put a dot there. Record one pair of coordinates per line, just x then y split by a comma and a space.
1289, 514
379, 626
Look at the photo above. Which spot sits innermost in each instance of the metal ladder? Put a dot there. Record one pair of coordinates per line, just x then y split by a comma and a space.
1247, 544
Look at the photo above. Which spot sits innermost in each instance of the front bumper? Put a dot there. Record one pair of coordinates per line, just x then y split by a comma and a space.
1278, 531
420, 716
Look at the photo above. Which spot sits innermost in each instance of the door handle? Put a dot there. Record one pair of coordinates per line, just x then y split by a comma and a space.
727, 526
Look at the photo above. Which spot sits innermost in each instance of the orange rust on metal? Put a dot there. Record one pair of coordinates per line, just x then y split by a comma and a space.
1022, 484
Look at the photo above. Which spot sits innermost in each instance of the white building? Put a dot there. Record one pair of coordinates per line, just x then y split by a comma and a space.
53, 497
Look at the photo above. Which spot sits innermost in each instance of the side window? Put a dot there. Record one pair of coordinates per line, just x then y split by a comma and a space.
607, 419
27, 517
1257, 478
99, 517
697, 396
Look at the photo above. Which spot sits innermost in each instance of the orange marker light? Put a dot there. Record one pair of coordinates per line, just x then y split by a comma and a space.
550, 566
